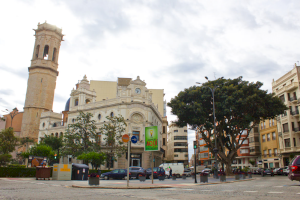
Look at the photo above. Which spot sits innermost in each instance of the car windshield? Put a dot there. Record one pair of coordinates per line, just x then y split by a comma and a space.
134, 168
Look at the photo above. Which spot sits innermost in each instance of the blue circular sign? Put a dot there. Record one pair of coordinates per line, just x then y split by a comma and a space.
134, 139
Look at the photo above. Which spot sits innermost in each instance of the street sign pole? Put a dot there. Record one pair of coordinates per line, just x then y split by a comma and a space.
152, 167
128, 159
195, 165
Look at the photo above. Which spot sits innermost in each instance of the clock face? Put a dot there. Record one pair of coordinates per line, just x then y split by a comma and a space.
138, 90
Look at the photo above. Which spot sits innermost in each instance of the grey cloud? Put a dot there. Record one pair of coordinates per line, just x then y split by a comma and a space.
21, 73
245, 17
6, 92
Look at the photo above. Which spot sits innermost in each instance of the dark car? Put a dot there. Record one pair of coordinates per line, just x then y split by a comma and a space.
258, 171
158, 171
136, 171
115, 174
279, 171
267, 172
294, 168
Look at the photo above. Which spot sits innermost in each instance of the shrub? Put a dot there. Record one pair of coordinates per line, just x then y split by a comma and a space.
18, 172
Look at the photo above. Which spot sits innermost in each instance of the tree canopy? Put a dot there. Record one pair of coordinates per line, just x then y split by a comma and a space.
80, 135
8, 141
39, 150
239, 106
112, 132
95, 158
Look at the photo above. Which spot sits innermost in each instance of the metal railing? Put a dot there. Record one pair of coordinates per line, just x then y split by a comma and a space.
296, 112
297, 129
293, 98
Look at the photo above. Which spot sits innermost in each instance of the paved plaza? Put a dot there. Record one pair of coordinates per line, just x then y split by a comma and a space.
278, 187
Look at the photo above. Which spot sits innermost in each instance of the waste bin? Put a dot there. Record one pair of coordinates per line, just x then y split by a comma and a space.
80, 171
42, 172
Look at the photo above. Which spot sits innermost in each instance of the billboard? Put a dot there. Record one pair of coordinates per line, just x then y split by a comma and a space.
151, 139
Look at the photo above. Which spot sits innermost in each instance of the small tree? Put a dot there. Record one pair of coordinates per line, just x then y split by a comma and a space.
96, 159
112, 132
8, 141
4, 159
56, 143
79, 136
39, 150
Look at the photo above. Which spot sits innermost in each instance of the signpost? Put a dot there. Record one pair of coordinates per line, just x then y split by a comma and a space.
125, 139
151, 142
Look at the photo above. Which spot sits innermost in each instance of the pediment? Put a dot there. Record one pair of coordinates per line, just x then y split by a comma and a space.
138, 81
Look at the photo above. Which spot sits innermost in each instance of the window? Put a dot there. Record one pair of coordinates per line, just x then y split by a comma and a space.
261, 125
294, 141
54, 54
264, 138
56, 134
175, 131
285, 127
43, 124
112, 114
203, 148
37, 51
273, 136
270, 152
268, 137
186, 155
273, 122
265, 153
52, 134
164, 129
46, 50
202, 142
287, 142
282, 98
275, 152
180, 137
164, 141
244, 151
180, 144
111, 165
99, 116
54, 124
136, 134
61, 134
264, 124
245, 142
185, 131
76, 102
270, 123
175, 155
98, 139
180, 150
87, 101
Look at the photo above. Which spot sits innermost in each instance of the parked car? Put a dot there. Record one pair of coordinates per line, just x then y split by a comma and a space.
206, 170
276, 170
115, 174
188, 172
279, 171
267, 172
294, 169
136, 171
157, 171
285, 170
259, 170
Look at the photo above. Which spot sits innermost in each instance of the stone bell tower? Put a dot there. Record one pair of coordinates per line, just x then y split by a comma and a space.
42, 77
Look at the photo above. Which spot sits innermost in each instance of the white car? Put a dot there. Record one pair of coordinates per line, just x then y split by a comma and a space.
206, 170
285, 170
188, 172
275, 170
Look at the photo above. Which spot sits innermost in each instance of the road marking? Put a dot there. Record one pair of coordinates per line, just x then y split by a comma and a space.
187, 189
250, 191
277, 186
40, 183
227, 190
298, 193
56, 185
205, 190
275, 192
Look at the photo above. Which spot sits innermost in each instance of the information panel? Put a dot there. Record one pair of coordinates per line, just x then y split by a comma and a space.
151, 139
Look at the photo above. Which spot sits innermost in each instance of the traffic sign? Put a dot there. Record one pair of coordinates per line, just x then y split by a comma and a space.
125, 138
134, 139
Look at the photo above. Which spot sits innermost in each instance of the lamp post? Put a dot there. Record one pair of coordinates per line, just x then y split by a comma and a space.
215, 149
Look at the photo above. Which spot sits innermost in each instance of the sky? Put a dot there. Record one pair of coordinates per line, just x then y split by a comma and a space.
171, 44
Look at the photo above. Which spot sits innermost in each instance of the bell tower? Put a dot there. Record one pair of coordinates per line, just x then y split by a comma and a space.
42, 77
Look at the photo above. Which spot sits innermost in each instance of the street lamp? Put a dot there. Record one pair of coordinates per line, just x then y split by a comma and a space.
215, 149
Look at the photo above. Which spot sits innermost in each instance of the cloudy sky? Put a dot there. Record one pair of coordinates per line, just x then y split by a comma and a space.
168, 43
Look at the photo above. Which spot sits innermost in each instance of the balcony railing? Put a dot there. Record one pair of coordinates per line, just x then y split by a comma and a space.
296, 112
265, 155
279, 134
268, 139
285, 130
270, 155
263, 140
297, 129
293, 99
275, 154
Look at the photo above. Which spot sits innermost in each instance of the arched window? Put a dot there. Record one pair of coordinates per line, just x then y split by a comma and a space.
37, 51
54, 55
56, 134
43, 124
87, 101
76, 102
46, 51
61, 134
99, 116
52, 134
112, 114
66, 119
73, 120
54, 124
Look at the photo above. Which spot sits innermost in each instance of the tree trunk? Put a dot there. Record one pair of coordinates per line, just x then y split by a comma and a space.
228, 168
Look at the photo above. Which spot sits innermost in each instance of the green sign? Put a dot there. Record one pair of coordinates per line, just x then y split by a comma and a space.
151, 138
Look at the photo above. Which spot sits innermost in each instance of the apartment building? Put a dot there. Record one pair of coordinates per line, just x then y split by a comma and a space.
288, 123
269, 143
177, 146
204, 156
254, 146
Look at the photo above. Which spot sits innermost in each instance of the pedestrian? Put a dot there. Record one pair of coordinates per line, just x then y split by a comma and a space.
170, 171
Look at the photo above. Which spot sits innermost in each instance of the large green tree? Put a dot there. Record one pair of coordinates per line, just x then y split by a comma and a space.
39, 150
56, 143
112, 132
80, 136
239, 106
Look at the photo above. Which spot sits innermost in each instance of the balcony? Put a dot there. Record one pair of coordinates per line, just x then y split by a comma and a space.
295, 113
270, 155
293, 99
291, 86
279, 134
265, 155
297, 129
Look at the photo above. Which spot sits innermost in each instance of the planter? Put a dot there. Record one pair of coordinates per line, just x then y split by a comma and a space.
174, 177
243, 176
223, 178
93, 180
203, 178
237, 177
184, 177
161, 178
249, 175
142, 178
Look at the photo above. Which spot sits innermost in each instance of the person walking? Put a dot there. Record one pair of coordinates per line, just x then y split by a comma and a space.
171, 172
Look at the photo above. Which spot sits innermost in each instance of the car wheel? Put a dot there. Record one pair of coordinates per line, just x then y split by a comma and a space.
105, 177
